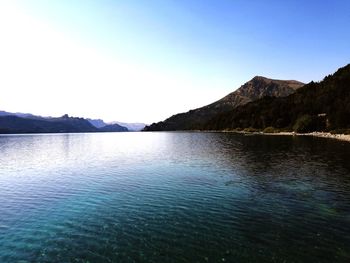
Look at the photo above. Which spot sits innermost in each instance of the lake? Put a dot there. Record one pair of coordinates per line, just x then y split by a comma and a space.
173, 197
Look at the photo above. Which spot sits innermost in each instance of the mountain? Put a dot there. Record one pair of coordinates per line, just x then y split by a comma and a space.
113, 128
256, 88
322, 106
19, 114
137, 126
15, 124
98, 123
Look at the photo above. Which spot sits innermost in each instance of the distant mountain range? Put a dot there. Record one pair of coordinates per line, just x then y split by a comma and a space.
29, 123
261, 104
22, 115
137, 126
99, 123
255, 89
274, 105
15, 124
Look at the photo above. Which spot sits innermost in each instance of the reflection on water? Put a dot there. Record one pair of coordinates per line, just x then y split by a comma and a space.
173, 197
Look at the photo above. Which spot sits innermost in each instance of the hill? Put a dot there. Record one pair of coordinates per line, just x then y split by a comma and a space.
137, 126
113, 128
15, 124
29, 123
255, 89
323, 106
99, 123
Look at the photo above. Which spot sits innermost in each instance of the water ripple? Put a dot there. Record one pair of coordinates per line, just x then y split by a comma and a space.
173, 197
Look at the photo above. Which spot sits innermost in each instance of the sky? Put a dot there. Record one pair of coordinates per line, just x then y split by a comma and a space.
143, 61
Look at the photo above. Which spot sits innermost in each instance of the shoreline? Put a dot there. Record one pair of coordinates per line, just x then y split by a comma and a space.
328, 135
341, 137
338, 136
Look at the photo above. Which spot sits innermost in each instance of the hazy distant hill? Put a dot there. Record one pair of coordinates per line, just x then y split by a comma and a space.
113, 128
98, 123
131, 126
322, 106
254, 89
22, 115
15, 124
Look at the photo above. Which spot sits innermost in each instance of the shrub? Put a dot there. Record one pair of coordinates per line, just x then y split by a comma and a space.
250, 129
340, 131
270, 130
303, 124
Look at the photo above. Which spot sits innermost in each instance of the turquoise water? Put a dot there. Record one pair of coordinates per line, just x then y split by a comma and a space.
173, 197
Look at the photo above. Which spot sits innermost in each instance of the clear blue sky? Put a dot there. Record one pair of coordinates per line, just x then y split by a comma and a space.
178, 55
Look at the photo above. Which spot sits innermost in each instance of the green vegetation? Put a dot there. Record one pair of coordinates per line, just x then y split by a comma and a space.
323, 106
250, 129
303, 124
271, 130
256, 88
340, 131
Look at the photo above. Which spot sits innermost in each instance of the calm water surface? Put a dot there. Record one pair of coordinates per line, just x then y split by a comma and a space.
173, 197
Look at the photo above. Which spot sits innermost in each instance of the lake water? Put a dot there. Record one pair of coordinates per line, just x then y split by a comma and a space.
173, 197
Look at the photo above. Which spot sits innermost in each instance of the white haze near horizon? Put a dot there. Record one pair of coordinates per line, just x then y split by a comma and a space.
45, 72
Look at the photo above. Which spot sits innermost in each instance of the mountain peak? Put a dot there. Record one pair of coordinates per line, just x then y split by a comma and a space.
260, 78
259, 87
255, 89
293, 83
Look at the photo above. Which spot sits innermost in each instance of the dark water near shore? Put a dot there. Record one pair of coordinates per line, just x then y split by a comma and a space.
173, 197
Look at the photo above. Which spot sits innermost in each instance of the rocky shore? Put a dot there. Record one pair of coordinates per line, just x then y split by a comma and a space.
342, 137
